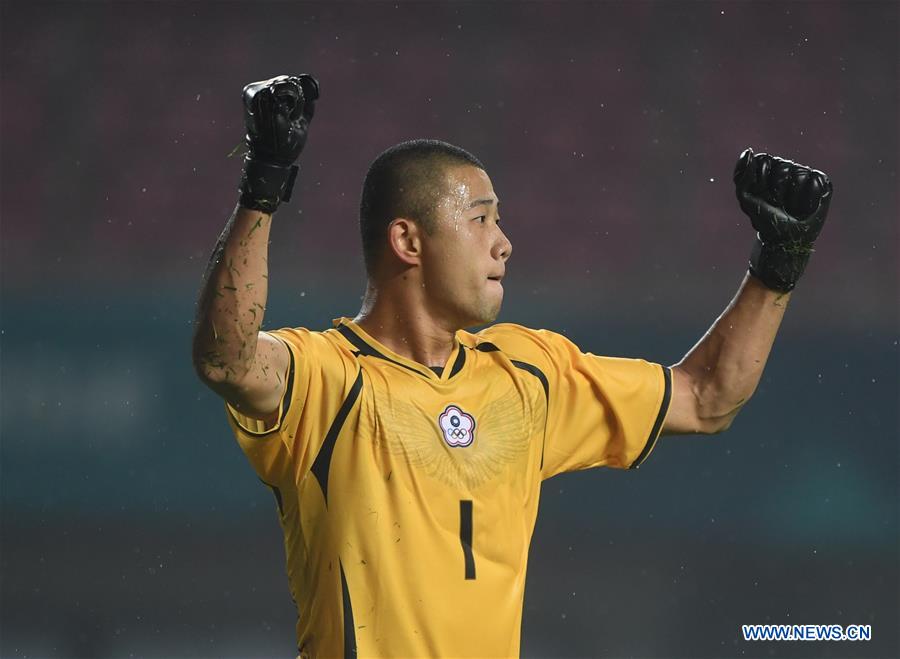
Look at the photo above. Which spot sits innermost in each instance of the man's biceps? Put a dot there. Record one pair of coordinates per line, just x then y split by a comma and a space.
272, 354
260, 392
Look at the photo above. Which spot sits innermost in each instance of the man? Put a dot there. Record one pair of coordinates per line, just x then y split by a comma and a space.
405, 453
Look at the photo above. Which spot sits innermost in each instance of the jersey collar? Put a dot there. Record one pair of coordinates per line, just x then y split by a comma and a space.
366, 345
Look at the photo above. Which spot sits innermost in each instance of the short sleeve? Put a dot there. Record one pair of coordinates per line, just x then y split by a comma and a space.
282, 450
602, 411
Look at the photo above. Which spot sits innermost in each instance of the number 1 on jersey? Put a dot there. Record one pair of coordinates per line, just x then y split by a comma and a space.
465, 536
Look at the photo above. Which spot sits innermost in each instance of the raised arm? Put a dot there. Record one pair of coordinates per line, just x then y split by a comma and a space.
787, 204
231, 355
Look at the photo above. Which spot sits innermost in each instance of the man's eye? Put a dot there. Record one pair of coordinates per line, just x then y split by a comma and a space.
480, 218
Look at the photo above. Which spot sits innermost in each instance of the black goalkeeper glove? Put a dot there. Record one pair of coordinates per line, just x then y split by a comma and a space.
787, 204
277, 114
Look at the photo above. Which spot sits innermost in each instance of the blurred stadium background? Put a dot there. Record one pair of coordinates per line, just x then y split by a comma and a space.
131, 524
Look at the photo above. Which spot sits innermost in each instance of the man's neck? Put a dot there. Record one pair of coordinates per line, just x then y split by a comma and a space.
403, 326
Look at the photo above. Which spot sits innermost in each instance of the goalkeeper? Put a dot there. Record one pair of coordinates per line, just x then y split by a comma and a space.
406, 454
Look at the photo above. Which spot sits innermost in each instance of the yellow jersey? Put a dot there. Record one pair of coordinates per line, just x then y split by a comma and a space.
408, 495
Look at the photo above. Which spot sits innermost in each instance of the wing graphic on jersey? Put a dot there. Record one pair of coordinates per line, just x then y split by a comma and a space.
504, 427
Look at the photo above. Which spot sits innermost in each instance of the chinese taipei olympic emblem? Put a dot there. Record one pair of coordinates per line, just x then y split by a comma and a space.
457, 426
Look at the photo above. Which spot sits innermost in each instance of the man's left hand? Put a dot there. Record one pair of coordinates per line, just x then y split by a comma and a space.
787, 204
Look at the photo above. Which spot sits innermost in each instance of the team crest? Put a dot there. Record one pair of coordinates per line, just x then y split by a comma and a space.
457, 426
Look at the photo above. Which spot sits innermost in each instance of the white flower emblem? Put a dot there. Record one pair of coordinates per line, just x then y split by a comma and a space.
457, 426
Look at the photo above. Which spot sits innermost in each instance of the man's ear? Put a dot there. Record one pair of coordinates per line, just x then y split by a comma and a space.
404, 239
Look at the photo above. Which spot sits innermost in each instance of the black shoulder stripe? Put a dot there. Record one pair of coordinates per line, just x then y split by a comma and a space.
663, 408
365, 349
460, 361
323, 460
536, 372
277, 494
349, 629
539, 374
487, 347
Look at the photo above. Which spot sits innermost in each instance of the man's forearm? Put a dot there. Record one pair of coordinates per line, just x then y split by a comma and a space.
727, 363
233, 298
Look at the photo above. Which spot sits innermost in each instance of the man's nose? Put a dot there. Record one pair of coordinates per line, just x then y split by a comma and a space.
503, 248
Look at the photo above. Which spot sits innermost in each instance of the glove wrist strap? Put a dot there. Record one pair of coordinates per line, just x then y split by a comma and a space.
779, 265
264, 185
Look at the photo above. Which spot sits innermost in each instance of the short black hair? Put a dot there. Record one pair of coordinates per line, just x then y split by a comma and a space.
407, 180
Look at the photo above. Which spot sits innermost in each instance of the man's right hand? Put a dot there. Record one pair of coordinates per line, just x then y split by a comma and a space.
277, 114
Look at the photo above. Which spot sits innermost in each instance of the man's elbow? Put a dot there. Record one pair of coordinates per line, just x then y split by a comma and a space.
719, 423
215, 372
702, 405
207, 368
720, 426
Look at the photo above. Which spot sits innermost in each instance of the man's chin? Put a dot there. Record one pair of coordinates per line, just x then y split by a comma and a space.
483, 317
492, 316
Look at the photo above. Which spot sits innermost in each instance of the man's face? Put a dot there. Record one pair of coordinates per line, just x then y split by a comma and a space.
465, 257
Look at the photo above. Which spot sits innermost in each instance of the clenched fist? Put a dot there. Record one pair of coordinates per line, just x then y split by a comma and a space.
787, 204
277, 114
